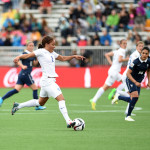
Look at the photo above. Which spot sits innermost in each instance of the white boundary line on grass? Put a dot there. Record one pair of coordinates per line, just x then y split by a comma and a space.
23, 111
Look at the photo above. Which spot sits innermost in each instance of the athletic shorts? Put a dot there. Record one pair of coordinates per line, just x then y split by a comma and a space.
132, 87
112, 77
25, 79
51, 90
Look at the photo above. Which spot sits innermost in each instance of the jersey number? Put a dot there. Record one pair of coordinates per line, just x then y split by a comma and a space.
140, 72
30, 63
52, 58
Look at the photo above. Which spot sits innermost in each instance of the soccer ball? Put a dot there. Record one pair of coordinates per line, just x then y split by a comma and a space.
79, 124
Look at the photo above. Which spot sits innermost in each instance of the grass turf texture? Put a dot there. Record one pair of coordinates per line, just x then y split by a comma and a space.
105, 128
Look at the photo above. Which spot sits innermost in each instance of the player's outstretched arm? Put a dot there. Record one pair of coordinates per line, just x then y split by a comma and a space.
24, 56
66, 58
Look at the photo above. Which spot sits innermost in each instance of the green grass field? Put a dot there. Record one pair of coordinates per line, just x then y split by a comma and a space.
105, 128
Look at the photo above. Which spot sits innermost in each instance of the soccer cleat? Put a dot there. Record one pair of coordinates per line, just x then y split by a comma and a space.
1, 101
115, 99
40, 108
111, 94
15, 108
128, 118
93, 104
70, 124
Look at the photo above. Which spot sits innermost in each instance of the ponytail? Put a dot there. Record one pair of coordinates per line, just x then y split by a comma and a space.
40, 46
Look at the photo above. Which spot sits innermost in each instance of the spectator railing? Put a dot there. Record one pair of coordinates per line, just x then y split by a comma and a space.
7, 54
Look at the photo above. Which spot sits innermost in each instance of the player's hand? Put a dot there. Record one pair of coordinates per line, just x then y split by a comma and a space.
138, 84
24, 67
16, 60
127, 58
79, 57
148, 85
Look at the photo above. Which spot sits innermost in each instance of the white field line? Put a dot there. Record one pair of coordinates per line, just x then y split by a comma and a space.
24, 111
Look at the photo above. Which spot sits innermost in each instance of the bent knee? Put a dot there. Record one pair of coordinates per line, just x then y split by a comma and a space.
41, 104
135, 95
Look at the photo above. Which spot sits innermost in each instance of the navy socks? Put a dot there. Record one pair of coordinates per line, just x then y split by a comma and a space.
131, 106
126, 99
10, 93
35, 94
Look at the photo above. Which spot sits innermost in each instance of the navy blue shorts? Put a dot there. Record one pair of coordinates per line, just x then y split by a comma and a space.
132, 87
25, 79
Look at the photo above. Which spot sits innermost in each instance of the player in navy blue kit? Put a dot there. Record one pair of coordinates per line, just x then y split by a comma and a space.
135, 75
25, 77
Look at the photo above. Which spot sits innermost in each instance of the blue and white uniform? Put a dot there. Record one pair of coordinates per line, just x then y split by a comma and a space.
47, 61
138, 67
24, 76
132, 57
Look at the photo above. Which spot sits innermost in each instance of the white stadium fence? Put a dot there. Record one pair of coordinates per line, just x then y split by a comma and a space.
7, 54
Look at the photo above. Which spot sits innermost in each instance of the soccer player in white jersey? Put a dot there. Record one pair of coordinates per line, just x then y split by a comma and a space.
46, 57
133, 56
113, 72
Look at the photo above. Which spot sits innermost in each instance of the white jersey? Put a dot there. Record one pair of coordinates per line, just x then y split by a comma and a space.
133, 56
47, 62
116, 65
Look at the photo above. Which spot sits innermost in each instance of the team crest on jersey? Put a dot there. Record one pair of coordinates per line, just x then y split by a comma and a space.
147, 65
132, 64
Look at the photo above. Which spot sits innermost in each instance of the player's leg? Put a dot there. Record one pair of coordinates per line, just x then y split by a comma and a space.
122, 95
134, 93
35, 96
55, 91
30, 103
120, 87
98, 94
109, 81
132, 105
63, 110
115, 90
117, 77
10, 93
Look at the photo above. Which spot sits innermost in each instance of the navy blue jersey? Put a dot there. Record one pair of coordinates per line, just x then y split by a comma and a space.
139, 68
27, 62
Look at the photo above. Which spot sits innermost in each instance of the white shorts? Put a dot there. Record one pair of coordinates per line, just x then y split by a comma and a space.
51, 90
112, 77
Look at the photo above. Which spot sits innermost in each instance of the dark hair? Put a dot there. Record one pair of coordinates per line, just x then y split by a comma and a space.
40, 46
146, 48
45, 40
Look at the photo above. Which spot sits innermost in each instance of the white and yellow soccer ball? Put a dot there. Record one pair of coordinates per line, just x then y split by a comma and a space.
79, 124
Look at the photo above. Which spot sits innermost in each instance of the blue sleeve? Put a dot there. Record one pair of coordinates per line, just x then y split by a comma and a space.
24, 53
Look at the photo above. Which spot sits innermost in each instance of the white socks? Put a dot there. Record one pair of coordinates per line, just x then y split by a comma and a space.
120, 87
126, 112
63, 110
98, 94
123, 93
30, 103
